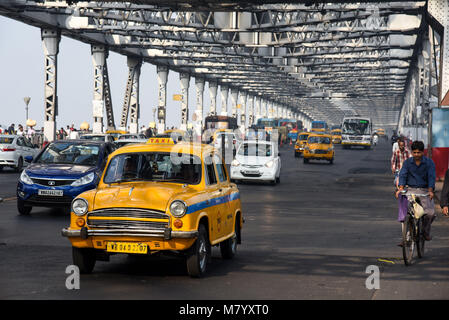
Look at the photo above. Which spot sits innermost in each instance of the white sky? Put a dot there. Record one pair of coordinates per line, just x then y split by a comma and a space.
22, 75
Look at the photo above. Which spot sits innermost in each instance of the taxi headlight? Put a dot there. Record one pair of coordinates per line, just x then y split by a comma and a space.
88, 178
235, 163
79, 206
178, 208
25, 178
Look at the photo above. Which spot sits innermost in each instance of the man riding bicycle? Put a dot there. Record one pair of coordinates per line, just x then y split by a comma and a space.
418, 173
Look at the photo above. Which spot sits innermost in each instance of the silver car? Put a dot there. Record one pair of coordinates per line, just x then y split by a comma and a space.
14, 151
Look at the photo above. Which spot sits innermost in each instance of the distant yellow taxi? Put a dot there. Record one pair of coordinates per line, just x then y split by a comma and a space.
319, 147
336, 136
116, 133
300, 143
154, 198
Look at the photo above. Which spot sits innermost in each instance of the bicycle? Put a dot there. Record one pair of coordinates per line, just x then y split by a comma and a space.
413, 233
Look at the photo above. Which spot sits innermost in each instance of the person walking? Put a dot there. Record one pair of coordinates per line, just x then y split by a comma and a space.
444, 198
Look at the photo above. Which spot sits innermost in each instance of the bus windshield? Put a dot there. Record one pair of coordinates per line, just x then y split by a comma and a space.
356, 126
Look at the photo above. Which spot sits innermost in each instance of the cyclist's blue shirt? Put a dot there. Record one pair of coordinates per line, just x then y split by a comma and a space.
422, 176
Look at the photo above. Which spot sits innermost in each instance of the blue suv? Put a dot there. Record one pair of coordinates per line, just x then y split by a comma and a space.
60, 172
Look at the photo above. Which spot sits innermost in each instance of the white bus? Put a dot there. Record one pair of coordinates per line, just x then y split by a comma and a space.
356, 131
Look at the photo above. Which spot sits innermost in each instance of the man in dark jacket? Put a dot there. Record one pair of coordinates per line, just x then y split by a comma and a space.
444, 199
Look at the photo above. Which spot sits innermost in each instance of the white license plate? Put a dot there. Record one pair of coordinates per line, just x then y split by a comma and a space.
57, 193
251, 172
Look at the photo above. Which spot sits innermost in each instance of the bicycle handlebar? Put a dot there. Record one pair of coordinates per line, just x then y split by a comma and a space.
404, 192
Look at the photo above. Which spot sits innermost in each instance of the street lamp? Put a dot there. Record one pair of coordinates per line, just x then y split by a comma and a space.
27, 102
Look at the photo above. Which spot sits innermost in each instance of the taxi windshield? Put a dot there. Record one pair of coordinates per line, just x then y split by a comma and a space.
255, 150
69, 153
154, 166
303, 137
317, 139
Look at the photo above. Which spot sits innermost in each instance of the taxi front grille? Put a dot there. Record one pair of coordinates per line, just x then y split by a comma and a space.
321, 151
126, 218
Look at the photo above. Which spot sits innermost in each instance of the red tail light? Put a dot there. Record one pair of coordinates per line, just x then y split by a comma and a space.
9, 149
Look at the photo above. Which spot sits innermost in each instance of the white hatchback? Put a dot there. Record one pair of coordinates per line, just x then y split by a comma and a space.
257, 160
14, 150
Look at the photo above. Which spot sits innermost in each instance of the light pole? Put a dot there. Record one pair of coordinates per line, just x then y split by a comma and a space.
27, 102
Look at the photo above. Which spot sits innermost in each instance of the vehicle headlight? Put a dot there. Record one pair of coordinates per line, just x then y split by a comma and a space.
269, 164
235, 163
79, 206
178, 208
88, 178
25, 178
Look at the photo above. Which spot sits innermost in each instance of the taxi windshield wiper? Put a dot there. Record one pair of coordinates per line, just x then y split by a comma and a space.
127, 180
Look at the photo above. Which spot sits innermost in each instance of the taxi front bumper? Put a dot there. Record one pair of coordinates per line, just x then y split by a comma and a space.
167, 233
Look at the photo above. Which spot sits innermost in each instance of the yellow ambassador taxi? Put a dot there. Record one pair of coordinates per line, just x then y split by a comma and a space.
154, 198
300, 143
336, 136
319, 147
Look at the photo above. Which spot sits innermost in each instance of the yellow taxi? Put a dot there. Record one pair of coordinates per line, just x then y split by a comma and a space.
319, 147
158, 197
300, 143
116, 133
176, 134
336, 136
380, 132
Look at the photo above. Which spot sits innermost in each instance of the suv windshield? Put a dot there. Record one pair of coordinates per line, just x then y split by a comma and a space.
316, 139
154, 166
255, 150
69, 153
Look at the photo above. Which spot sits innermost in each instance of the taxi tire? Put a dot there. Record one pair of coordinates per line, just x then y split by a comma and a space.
23, 210
84, 259
228, 248
195, 267
306, 160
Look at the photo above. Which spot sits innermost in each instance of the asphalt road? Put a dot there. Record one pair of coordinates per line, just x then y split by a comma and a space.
310, 237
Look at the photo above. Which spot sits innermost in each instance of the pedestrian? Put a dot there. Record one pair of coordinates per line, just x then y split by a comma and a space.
11, 129
444, 198
148, 133
398, 157
74, 134
67, 130
418, 174
62, 134
20, 131
30, 132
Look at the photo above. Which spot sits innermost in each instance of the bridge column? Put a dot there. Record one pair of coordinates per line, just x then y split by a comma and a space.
243, 96
213, 86
50, 40
131, 103
185, 82
251, 111
224, 100
257, 104
234, 100
162, 76
99, 54
198, 115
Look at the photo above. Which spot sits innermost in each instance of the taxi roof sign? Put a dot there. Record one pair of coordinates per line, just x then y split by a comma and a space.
160, 141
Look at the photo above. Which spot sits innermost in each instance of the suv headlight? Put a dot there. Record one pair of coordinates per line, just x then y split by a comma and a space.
25, 178
88, 178
178, 208
269, 164
79, 206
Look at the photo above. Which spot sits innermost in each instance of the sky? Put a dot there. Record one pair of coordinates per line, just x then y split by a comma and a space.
22, 75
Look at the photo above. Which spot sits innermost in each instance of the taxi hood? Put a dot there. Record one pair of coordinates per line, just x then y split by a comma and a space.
146, 195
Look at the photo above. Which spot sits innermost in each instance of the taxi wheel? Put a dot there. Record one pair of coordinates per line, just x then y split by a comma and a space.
297, 155
306, 160
197, 260
84, 259
331, 161
228, 248
23, 210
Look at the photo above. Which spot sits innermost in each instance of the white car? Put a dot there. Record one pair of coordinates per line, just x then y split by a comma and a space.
123, 142
257, 160
128, 136
13, 151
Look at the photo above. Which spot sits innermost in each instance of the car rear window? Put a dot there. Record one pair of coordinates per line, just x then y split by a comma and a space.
255, 149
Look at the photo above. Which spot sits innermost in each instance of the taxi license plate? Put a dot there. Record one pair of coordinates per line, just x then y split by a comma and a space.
127, 247
57, 193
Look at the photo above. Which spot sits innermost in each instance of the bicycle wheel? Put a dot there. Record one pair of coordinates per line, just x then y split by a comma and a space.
420, 241
408, 240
